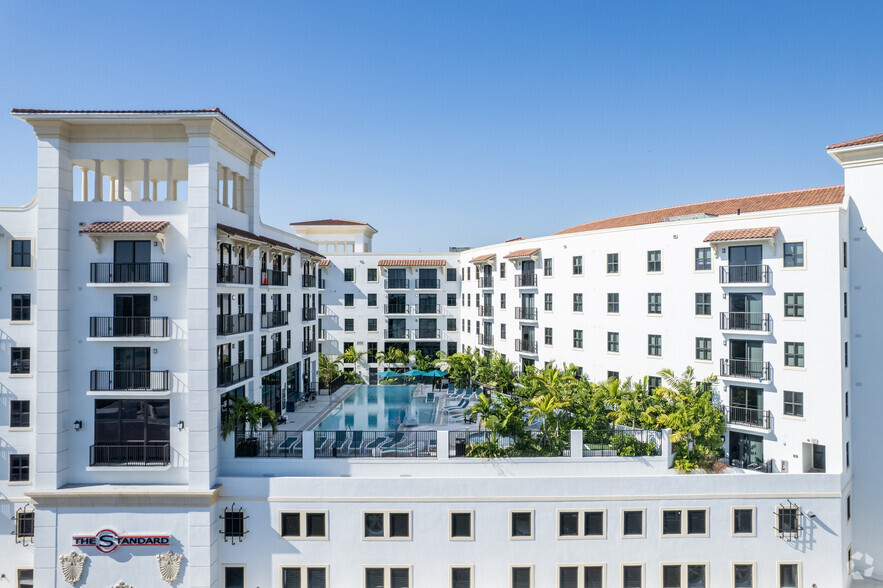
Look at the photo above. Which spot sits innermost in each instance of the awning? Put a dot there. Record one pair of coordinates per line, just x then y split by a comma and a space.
483, 258
756, 234
122, 228
523, 253
411, 263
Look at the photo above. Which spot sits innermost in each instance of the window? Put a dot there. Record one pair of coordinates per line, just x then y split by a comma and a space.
461, 525
612, 342
793, 404
469, 326
613, 263
372, 274
19, 414
21, 307
388, 577
633, 523
24, 526
684, 521
387, 525
349, 300
793, 254
613, 303
794, 304
654, 345
845, 306
547, 302
654, 261
845, 252
469, 273
372, 300
303, 525
848, 504
522, 576
548, 336
703, 303
502, 299
521, 522
845, 354
703, 259
577, 302
577, 265
592, 576
577, 339
686, 575
847, 460
451, 274
20, 360
787, 520
304, 576
372, 325
452, 325
703, 348
743, 575
793, 354
846, 403
469, 299
234, 524
581, 523
653, 382
789, 575
461, 577
21, 253
547, 267
452, 300
349, 274
234, 576
502, 270
502, 330
743, 521
349, 325
654, 303
632, 575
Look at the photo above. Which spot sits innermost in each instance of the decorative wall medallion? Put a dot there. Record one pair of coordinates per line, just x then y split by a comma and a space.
121, 585
169, 565
72, 566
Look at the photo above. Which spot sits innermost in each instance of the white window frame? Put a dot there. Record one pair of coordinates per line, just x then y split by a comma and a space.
530, 537
753, 565
376, 274
471, 536
643, 534
632, 564
303, 572
753, 510
469, 567
683, 566
352, 269
238, 565
529, 566
581, 572
618, 263
710, 261
303, 525
684, 512
9, 265
386, 573
661, 266
386, 526
551, 268
581, 522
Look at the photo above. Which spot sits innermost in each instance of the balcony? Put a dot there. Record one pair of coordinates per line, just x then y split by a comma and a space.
744, 368
396, 308
397, 284
129, 273
233, 324
525, 280
525, 313
486, 340
749, 417
428, 309
428, 284
486, 282
308, 281
526, 346
129, 326
745, 274
486, 310
745, 321
309, 347
322, 310
233, 374
276, 318
274, 278
129, 381
427, 334
130, 454
309, 314
235, 274
274, 359
396, 334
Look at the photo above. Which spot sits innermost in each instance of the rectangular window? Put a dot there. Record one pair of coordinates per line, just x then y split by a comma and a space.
633, 576
451, 325
847, 465
349, 300
349, 274
613, 263
703, 303
793, 254
522, 577
21, 307
24, 525
19, 468
388, 577
502, 299
612, 342
20, 360
684, 575
654, 345
653, 382
743, 521
848, 505
452, 300
521, 522
577, 265
24, 578
234, 576
654, 261
703, 348
349, 325
845, 306
612, 375
793, 403
469, 299
846, 403
794, 304
461, 525
372, 300
304, 577
461, 577
789, 575
309, 525
581, 523
372, 274
21, 253
787, 520
613, 303
548, 336
19, 414
743, 575
793, 354
577, 338
372, 325
654, 303
703, 259
633, 523
469, 326
577, 302
387, 525
547, 302
469, 273
502, 270
503, 331
845, 252
451, 274
547, 267
845, 354
234, 524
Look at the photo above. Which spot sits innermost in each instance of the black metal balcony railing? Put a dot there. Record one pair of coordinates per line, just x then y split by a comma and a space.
322, 310
526, 313
309, 347
428, 283
744, 368
128, 380
274, 359
127, 273
375, 444
745, 274
525, 346
396, 334
130, 454
428, 309
309, 314
270, 277
233, 374
427, 334
396, 308
751, 417
128, 326
486, 310
233, 324
397, 283
269, 444
235, 274
486, 282
486, 340
745, 321
308, 281
275, 318
525, 280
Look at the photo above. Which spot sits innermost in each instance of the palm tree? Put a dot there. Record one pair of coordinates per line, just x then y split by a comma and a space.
328, 369
482, 409
392, 356
542, 409
242, 413
350, 355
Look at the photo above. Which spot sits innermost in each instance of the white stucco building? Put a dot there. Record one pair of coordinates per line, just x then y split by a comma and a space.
141, 293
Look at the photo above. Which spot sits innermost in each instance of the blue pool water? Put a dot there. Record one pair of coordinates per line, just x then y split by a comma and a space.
379, 408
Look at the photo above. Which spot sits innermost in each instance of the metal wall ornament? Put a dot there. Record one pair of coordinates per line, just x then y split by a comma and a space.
72, 566
169, 565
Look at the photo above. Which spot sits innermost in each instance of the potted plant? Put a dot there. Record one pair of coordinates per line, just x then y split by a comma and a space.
242, 414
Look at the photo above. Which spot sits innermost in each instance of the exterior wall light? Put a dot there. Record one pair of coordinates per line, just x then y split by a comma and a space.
78, 425
180, 425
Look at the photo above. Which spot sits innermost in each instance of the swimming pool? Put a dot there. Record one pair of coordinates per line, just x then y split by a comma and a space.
379, 408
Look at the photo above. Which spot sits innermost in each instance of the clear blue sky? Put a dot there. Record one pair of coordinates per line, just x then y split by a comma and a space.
464, 122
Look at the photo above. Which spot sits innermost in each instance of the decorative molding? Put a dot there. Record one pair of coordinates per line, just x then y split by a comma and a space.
72, 566
121, 584
169, 565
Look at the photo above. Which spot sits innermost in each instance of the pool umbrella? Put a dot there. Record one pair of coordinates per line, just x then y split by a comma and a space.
437, 374
389, 374
414, 373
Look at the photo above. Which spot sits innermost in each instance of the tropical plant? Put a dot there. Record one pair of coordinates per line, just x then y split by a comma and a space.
422, 362
392, 357
350, 355
328, 369
352, 377
244, 413
462, 367
543, 409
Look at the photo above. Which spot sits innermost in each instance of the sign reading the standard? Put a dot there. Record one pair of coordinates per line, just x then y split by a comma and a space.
107, 540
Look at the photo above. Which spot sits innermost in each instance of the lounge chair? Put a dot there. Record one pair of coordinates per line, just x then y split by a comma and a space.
290, 444
377, 442
459, 406
355, 444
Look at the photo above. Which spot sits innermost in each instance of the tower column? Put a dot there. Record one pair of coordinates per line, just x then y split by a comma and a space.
99, 181
145, 190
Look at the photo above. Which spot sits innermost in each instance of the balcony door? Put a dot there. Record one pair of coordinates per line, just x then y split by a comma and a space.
527, 336
427, 303
131, 368
746, 448
428, 274
131, 422
127, 309
746, 405
131, 261
746, 358
527, 303
746, 311
486, 270
225, 254
488, 300
746, 255
528, 267
396, 303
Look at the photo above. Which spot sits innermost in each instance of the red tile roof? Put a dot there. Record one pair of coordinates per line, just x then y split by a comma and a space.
312, 253
515, 239
324, 262
411, 262
279, 244
773, 201
330, 222
482, 258
742, 234
878, 138
251, 236
522, 253
126, 227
